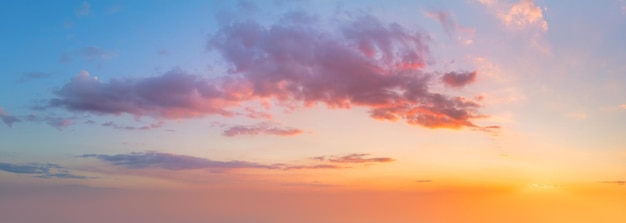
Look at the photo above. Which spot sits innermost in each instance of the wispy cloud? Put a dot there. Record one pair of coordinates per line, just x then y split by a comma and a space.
84, 9
355, 158
45, 170
319, 166
28, 76
366, 63
176, 162
617, 182
130, 127
266, 128
93, 53
423, 181
451, 27
8, 119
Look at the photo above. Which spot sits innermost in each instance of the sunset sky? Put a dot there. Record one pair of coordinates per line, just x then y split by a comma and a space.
313, 111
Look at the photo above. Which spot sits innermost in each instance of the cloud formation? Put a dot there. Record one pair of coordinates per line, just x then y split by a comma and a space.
362, 62
454, 79
266, 128
45, 170
355, 158
520, 15
8, 119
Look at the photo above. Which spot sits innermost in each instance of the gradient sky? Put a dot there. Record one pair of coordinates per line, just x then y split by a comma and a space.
313, 111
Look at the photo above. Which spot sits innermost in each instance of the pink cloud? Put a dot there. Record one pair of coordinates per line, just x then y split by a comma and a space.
520, 15
365, 63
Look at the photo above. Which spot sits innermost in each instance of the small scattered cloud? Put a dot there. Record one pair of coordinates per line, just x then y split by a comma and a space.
29, 76
458, 79
264, 128
423, 181
83, 10
7, 119
41, 170
65, 58
94, 53
520, 15
163, 52
355, 158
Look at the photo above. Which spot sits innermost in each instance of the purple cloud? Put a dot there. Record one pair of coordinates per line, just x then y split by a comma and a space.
458, 79
362, 62
140, 160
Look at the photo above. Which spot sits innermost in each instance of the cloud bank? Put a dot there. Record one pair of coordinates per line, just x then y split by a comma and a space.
295, 63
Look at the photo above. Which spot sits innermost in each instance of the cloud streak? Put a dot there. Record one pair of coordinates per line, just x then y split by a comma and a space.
355, 158
28, 76
360, 62
266, 128
142, 160
46, 170
176, 162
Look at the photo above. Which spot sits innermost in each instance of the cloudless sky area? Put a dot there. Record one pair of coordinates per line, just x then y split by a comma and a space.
313, 111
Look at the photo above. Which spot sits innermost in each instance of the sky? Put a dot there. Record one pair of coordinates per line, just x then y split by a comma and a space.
312, 111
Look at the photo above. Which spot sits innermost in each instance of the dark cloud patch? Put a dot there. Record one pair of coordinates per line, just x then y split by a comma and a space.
458, 79
266, 128
45, 170
356, 158
29, 76
423, 181
141, 160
